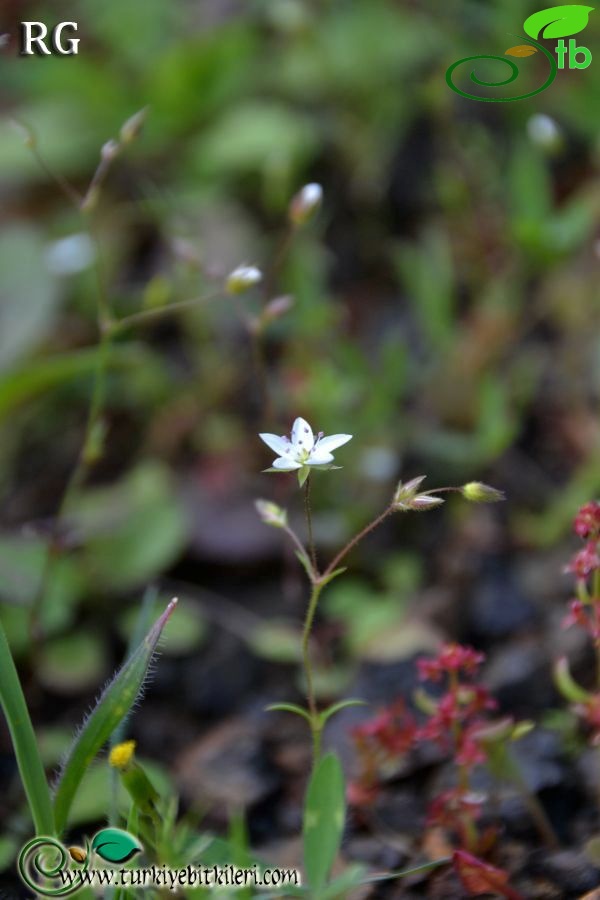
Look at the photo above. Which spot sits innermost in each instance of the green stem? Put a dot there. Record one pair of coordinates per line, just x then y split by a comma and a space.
356, 539
24, 743
534, 807
315, 725
149, 315
309, 526
415, 870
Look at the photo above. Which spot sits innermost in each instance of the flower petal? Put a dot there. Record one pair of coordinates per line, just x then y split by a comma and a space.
302, 435
319, 458
285, 464
332, 442
278, 444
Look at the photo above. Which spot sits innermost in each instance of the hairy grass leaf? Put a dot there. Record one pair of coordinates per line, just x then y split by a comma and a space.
115, 703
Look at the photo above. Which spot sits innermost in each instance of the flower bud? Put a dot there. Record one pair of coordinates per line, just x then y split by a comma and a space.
276, 308
78, 854
406, 492
132, 128
110, 150
477, 492
121, 755
271, 514
545, 133
242, 279
305, 204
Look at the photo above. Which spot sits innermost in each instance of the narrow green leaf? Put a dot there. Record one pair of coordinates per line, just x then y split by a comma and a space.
324, 816
114, 704
338, 707
558, 21
303, 474
567, 685
327, 578
115, 845
289, 707
306, 564
24, 742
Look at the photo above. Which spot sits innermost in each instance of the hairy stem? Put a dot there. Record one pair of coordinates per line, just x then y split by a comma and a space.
150, 315
357, 539
308, 513
308, 673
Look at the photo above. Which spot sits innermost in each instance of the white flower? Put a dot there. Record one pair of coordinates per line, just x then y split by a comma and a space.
303, 451
305, 203
242, 279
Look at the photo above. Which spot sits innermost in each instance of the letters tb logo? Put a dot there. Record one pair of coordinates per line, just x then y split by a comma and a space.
35, 39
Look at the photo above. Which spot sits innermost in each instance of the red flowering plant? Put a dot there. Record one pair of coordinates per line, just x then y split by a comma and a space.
584, 612
458, 722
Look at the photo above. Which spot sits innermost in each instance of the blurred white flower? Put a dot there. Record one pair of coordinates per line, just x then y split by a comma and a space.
544, 132
70, 255
305, 203
303, 451
243, 278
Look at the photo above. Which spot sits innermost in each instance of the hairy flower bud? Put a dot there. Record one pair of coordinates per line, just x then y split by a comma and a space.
121, 754
110, 150
271, 514
407, 492
242, 279
305, 203
276, 308
477, 492
132, 128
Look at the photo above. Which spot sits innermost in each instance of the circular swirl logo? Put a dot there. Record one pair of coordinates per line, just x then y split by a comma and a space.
41, 864
555, 22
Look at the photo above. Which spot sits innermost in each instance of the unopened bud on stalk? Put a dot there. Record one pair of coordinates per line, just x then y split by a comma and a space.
276, 308
121, 755
545, 133
305, 204
132, 128
110, 150
423, 502
78, 854
271, 514
242, 279
477, 492
407, 492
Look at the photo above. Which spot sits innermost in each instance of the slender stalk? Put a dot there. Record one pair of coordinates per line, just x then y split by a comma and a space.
149, 315
356, 540
315, 726
403, 873
534, 807
309, 525
25, 746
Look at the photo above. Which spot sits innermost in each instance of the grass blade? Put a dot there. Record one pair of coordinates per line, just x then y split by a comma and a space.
114, 704
24, 743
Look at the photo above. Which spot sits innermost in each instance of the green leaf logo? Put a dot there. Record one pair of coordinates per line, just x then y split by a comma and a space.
558, 21
115, 846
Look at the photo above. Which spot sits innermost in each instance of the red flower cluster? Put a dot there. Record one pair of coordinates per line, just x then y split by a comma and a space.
585, 562
451, 658
453, 722
392, 730
587, 520
453, 806
584, 610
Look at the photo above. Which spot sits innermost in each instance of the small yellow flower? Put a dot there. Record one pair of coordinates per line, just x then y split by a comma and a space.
122, 754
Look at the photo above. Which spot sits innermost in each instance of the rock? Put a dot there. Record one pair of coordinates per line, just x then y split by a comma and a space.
226, 768
569, 870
